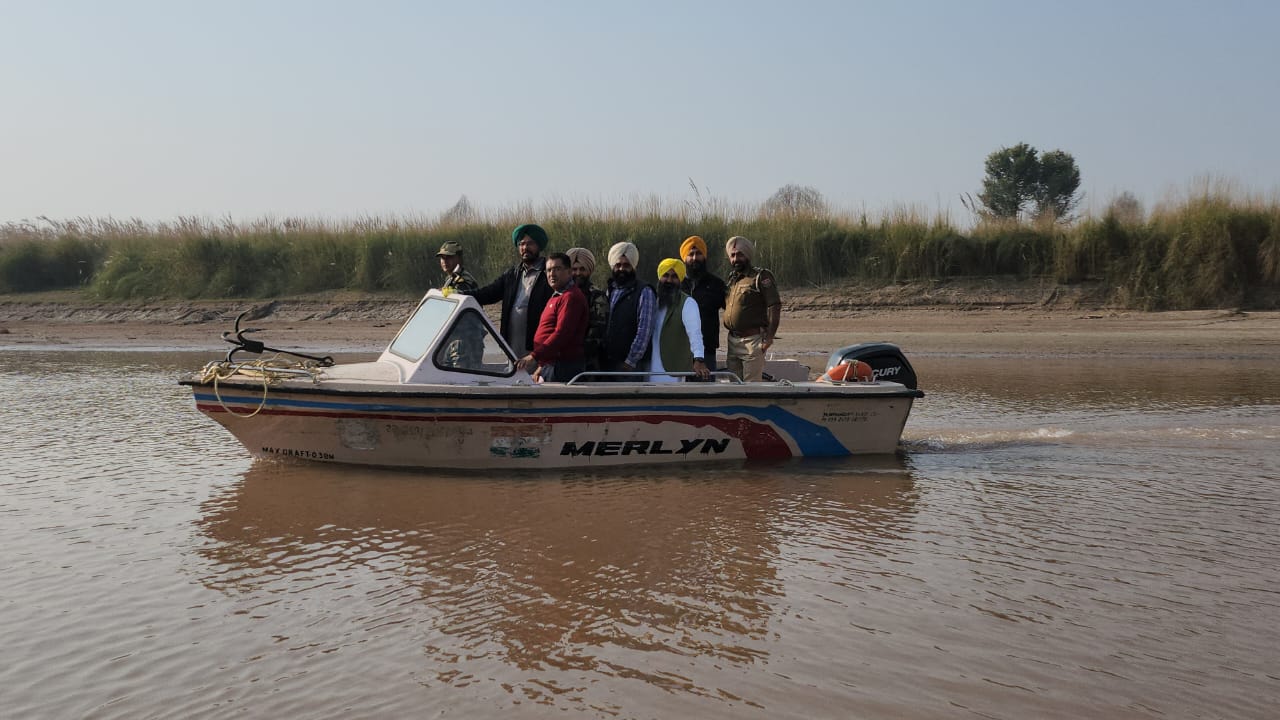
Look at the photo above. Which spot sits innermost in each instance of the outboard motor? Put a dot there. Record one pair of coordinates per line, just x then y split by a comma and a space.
886, 360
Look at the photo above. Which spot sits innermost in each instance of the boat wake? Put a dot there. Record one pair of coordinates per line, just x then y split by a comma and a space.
1136, 434
992, 439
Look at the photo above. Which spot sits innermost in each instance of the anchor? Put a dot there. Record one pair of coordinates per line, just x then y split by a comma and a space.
247, 344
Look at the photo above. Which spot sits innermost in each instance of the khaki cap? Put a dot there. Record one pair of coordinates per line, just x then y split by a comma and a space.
453, 247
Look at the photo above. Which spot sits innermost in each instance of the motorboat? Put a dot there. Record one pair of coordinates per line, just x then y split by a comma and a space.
447, 393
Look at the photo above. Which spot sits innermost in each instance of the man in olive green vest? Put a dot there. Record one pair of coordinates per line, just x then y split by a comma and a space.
677, 329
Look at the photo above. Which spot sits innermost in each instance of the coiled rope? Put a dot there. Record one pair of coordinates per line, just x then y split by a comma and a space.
270, 370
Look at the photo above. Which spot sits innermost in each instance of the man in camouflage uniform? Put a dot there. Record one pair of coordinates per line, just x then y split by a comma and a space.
465, 348
455, 278
584, 264
752, 312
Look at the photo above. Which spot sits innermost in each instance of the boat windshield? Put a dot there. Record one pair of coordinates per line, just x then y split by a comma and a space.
466, 345
426, 323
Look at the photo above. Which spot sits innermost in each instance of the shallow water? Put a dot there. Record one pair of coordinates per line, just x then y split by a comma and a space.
1061, 538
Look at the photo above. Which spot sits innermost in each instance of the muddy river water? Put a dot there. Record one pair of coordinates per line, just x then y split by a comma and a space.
1060, 538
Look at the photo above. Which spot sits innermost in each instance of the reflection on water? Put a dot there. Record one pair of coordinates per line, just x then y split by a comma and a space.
566, 581
1060, 539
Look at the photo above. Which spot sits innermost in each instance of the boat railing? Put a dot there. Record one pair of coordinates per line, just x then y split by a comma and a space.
591, 375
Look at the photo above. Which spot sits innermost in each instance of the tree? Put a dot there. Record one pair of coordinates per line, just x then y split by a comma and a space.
1056, 190
792, 199
1020, 180
1011, 177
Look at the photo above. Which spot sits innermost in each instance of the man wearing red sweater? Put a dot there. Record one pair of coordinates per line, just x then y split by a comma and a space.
557, 343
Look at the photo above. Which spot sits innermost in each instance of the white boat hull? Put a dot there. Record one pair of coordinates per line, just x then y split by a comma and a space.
540, 427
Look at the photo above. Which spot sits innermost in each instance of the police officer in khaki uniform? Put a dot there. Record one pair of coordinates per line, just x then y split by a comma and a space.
752, 312
455, 278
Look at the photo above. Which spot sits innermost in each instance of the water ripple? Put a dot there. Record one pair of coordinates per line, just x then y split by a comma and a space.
1044, 547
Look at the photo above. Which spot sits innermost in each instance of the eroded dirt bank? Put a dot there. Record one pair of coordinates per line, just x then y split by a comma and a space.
990, 317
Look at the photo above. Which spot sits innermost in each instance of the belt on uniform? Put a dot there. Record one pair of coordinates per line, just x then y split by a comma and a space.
735, 333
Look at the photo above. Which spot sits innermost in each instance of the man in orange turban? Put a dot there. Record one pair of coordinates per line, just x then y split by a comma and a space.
707, 290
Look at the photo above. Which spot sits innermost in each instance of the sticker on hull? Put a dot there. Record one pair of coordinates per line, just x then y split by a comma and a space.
524, 441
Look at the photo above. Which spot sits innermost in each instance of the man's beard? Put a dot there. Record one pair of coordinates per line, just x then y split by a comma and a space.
696, 267
624, 277
742, 266
666, 294
583, 282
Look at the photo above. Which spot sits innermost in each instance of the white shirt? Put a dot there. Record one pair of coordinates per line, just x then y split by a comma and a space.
692, 327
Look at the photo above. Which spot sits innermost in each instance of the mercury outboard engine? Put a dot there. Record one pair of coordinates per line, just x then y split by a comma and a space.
886, 360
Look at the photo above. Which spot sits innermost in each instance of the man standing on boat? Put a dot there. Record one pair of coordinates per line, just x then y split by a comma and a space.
632, 304
557, 343
466, 348
752, 312
583, 265
707, 290
522, 289
455, 278
677, 329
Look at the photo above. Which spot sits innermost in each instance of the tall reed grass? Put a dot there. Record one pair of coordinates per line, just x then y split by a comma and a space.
1209, 248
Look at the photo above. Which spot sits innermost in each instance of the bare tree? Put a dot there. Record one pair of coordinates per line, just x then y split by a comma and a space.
792, 199
1126, 209
460, 213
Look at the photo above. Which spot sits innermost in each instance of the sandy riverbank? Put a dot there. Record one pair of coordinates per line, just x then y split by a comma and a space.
814, 322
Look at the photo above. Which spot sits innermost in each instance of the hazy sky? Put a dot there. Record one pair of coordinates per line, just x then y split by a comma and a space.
341, 109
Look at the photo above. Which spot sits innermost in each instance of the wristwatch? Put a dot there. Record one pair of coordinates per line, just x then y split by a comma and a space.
699, 360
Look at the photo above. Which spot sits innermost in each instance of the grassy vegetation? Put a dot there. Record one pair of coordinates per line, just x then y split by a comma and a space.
1208, 249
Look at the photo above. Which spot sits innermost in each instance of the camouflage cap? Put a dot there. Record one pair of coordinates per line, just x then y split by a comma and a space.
452, 247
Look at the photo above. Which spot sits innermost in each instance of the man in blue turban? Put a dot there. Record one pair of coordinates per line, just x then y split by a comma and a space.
523, 289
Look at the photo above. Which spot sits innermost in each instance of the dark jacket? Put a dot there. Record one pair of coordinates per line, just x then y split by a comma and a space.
504, 289
709, 292
624, 330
